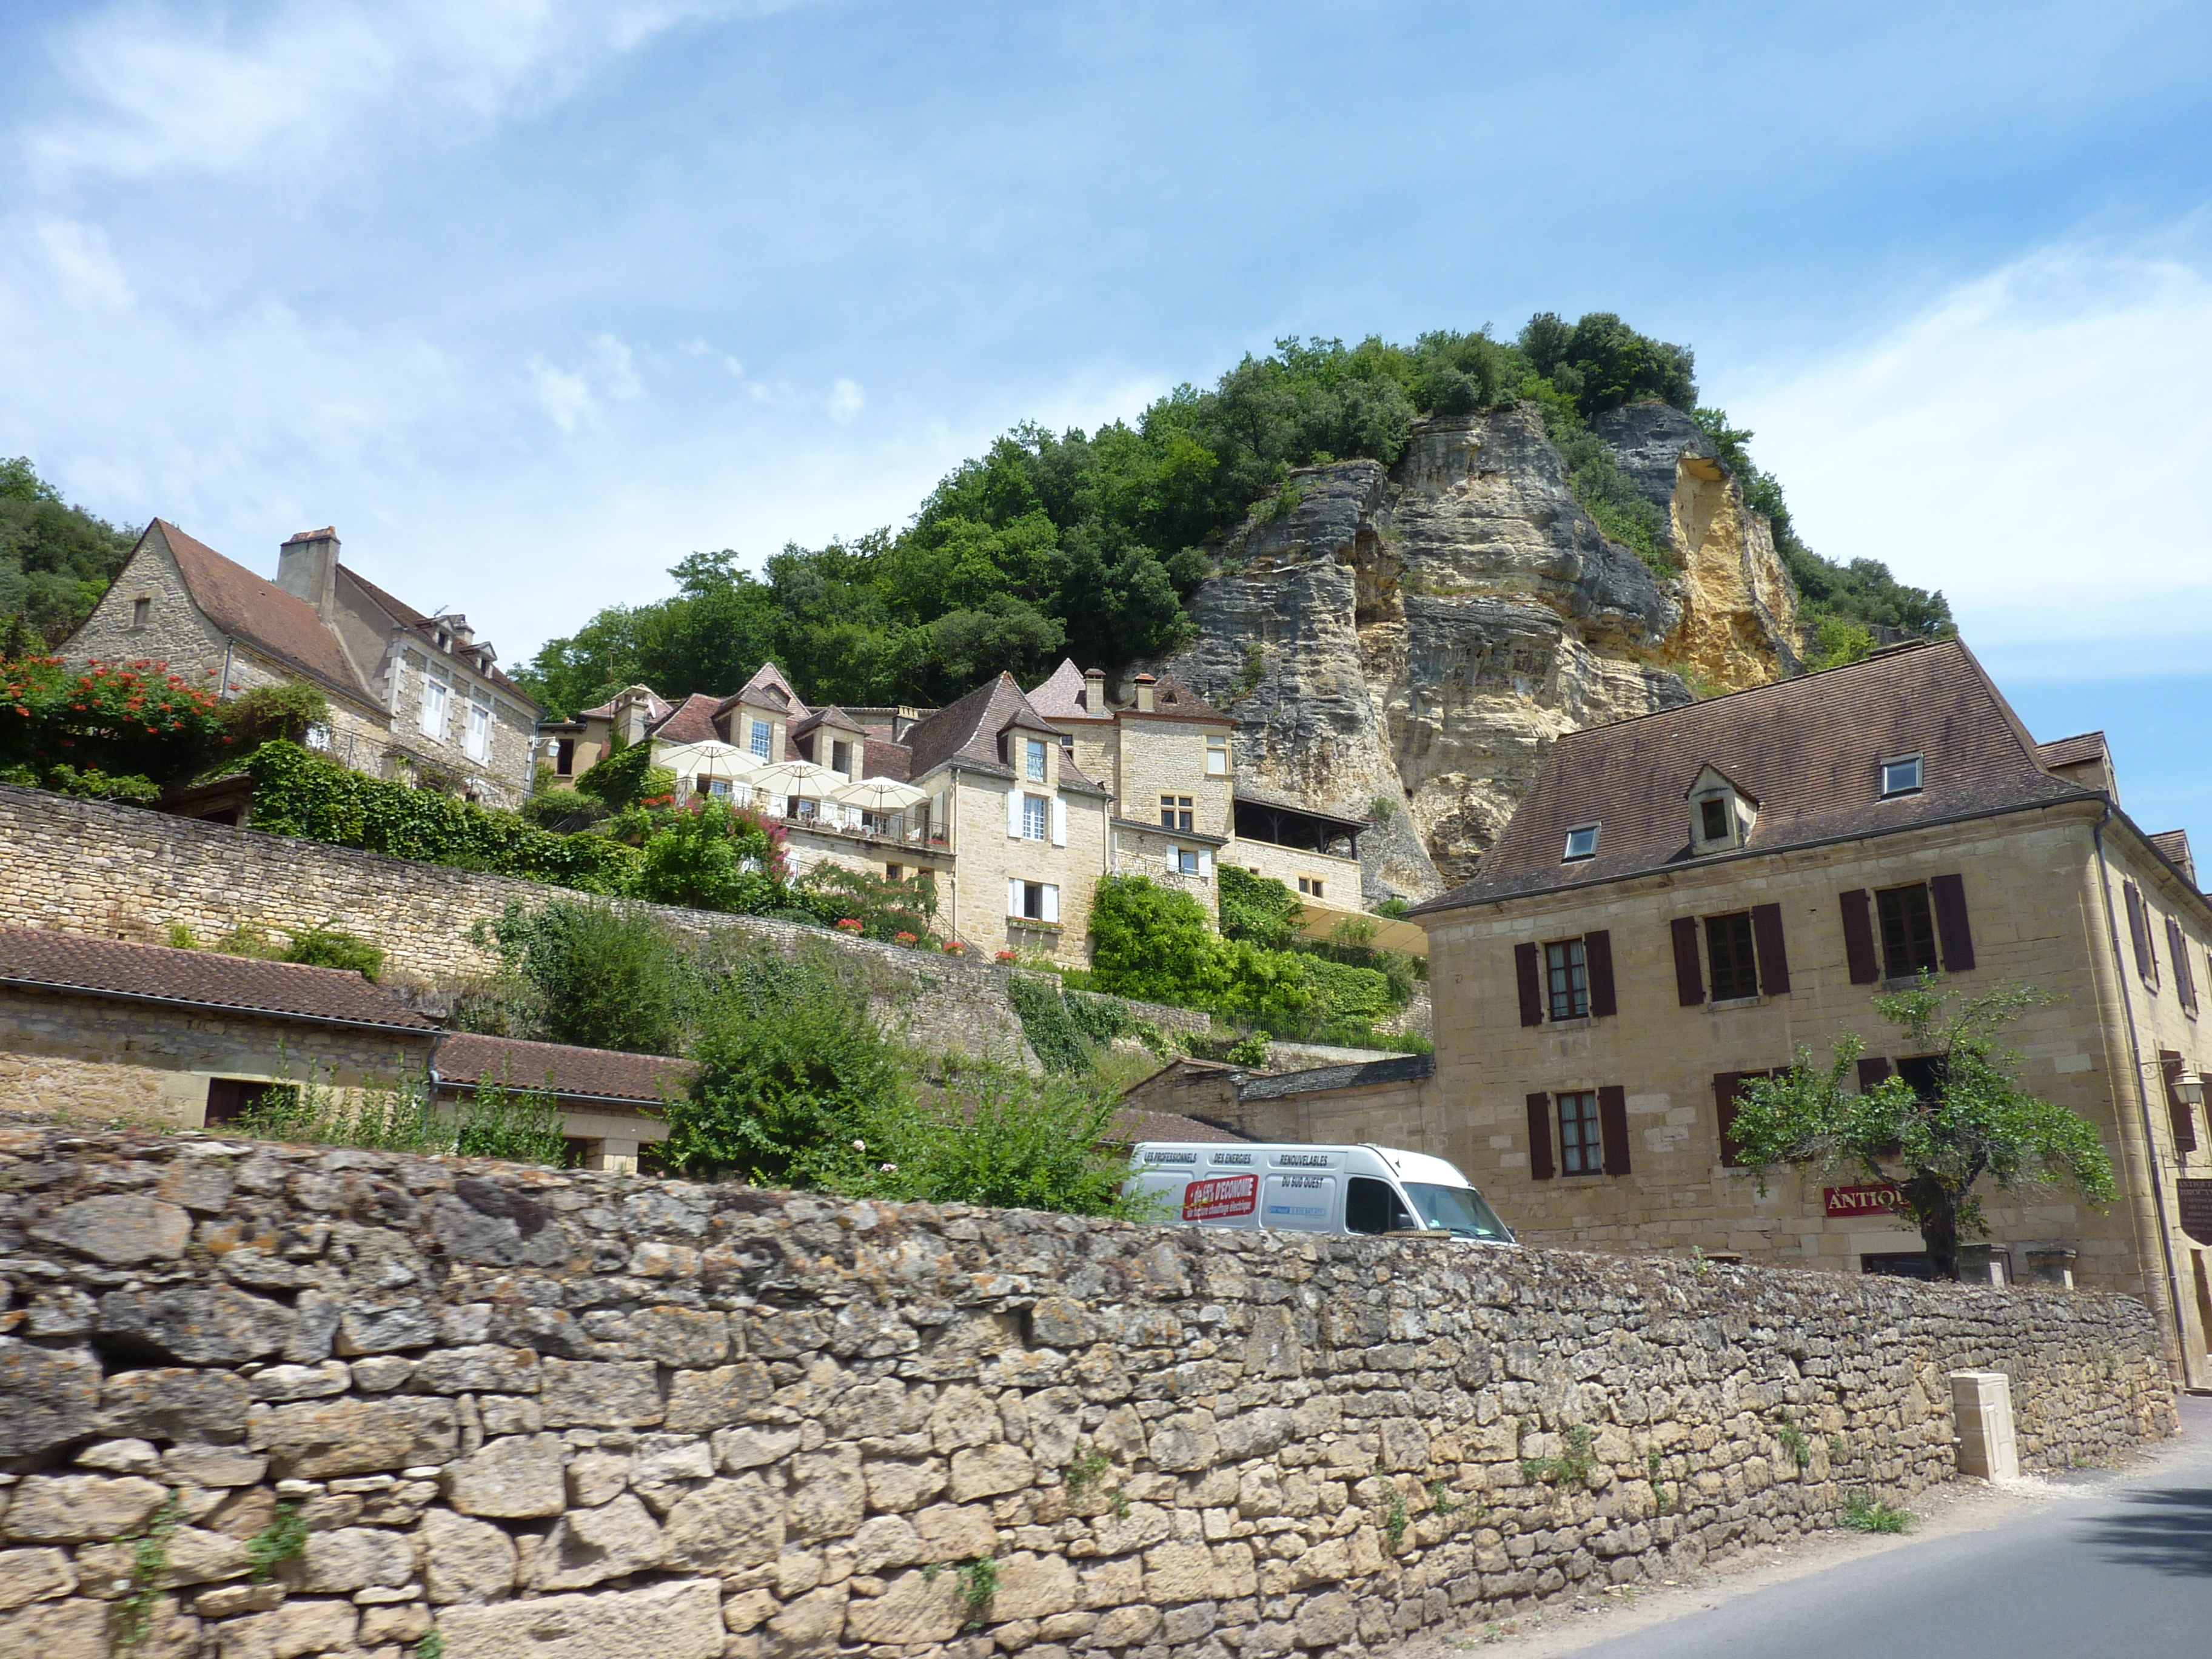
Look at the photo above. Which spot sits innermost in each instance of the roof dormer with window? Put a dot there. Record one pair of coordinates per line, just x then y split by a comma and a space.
1721, 815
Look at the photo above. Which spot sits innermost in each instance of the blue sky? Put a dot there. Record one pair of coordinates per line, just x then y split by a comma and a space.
532, 298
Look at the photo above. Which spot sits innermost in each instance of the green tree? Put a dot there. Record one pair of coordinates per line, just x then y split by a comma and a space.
605, 975
1978, 1124
56, 560
712, 856
1257, 908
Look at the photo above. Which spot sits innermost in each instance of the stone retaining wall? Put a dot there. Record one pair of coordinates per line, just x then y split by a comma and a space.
590, 1416
85, 867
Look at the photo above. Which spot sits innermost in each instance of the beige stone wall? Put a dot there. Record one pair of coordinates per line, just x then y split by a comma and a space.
1339, 877
1400, 1115
987, 857
503, 777
175, 632
2036, 919
579, 1413
86, 1057
87, 866
1168, 757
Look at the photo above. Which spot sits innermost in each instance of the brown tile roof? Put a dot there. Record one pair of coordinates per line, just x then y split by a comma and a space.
2173, 847
1810, 749
1133, 1127
966, 729
467, 1058
690, 721
832, 717
882, 758
2071, 751
657, 708
1174, 700
201, 979
767, 680
257, 611
1061, 695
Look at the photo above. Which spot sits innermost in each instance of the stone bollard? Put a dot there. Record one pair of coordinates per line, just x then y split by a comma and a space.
1981, 1408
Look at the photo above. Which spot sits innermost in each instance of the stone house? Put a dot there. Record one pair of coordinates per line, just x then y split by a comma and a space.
1695, 896
1028, 798
1384, 1101
411, 695
610, 1102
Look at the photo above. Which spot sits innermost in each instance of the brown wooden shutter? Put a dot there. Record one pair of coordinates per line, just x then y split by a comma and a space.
1597, 957
1725, 1084
1532, 993
1858, 937
1947, 894
1540, 1166
2176, 1108
2139, 932
1689, 973
1773, 955
1612, 1125
2184, 977
1874, 1072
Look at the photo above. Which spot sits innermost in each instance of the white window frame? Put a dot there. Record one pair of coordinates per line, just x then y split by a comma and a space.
760, 734
1217, 757
1059, 822
437, 694
477, 742
1033, 754
1036, 818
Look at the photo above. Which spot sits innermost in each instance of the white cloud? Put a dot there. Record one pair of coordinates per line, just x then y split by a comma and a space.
565, 396
618, 369
85, 264
163, 91
2039, 444
846, 401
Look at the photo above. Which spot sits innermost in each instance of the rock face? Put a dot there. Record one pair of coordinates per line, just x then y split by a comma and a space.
1406, 644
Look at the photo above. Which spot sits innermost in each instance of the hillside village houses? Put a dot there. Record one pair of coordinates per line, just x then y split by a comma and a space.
1686, 899
1013, 804
411, 695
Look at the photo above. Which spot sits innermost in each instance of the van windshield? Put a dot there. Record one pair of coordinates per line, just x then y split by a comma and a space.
1461, 1209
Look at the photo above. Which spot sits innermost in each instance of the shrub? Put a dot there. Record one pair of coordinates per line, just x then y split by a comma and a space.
121, 720
271, 714
521, 1125
606, 976
558, 807
325, 946
794, 1079
1256, 907
1152, 942
297, 793
1343, 993
624, 775
712, 856
1045, 1023
996, 1136
832, 894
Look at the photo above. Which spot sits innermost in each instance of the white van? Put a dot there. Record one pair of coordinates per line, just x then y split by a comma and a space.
1312, 1190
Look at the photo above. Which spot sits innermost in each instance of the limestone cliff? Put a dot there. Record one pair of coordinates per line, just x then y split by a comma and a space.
1406, 643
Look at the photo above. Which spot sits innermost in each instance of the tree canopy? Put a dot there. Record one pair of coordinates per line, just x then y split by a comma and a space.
1974, 1123
56, 560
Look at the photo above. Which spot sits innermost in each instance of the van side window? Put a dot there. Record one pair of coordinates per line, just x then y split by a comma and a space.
1369, 1206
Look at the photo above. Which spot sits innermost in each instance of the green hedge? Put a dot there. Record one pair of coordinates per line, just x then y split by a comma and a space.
1348, 993
297, 793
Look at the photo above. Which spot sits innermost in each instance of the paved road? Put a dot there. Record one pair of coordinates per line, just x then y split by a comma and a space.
2098, 1564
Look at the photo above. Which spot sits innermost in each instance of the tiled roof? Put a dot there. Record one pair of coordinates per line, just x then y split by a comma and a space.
1132, 1127
657, 708
1174, 700
257, 610
2071, 751
200, 978
882, 758
769, 679
2173, 847
835, 717
467, 1058
1357, 1074
967, 730
1810, 749
1059, 697
690, 721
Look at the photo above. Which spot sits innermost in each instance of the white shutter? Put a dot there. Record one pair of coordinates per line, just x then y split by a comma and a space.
1014, 813
1051, 902
1014, 894
1059, 822
1205, 864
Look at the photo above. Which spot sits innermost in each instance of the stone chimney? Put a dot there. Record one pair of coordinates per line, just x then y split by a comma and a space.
1094, 691
307, 568
1145, 684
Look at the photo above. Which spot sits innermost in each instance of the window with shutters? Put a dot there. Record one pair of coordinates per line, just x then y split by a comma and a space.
436, 688
2185, 975
1566, 975
1183, 860
1908, 930
1923, 1074
1728, 1095
1176, 812
1729, 949
1582, 1144
479, 731
1033, 901
1036, 814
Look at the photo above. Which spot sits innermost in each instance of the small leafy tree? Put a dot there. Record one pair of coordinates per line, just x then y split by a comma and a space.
605, 975
712, 856
269, 714
1979, 1123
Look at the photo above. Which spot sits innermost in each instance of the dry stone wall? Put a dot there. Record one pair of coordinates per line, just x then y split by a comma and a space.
86, 867
576, 1414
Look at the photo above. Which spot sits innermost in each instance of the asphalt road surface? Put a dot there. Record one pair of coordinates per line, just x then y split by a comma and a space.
2082, 1565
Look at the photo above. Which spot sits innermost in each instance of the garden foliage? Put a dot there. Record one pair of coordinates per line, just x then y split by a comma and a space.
106, 720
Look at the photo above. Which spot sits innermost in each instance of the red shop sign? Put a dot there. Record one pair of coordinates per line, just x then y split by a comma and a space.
1220, 1196
1845, 1201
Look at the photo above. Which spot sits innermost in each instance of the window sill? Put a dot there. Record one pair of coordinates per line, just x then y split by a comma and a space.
1032, 922
1906, 983
1723, 1004
1577, 1022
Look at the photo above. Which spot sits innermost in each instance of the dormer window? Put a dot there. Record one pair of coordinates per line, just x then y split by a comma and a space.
1721, 815
1900, 777
1582, 843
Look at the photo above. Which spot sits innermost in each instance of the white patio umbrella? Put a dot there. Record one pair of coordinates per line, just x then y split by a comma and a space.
795, 777
879, 794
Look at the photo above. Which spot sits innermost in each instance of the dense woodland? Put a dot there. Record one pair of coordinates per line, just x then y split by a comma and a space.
1074, 544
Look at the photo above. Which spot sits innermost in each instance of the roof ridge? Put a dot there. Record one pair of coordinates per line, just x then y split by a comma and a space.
1764, 686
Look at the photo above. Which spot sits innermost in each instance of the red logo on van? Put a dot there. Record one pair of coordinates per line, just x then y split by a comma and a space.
1222, 1196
